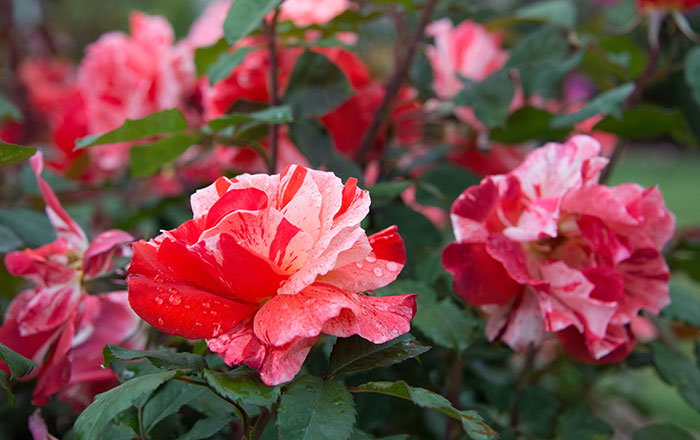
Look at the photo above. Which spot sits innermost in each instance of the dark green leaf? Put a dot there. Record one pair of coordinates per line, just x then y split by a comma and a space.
206, 428
147, 159
11, 153
561, 12
316, 86
168, 400
314, 142
9, 241
118, 431
108, 405
355, 353
313, 409
692, 72
489, 98
546, 46
389, 190
273, 115
32, 227
471, 421
609, 102
648, 122
625, 53
441, 185
5, 385
579, 424
662, 431
444, 322
684, 306
358, 434
677, 370
19, 365
206, 56
525, 124
225, 64
536, 409
165, 359
166, 121
242, 385
245, 16
8, 110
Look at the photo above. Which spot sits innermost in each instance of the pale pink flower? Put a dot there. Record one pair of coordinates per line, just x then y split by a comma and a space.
308, 12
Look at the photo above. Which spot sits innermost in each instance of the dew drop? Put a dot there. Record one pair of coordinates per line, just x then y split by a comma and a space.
197, 324
213, 313
378, 271
187, 306
359, 265
102, 366
393, 267
172, 290
175, 299
206, 305
371, 258
160, 290
160, 321
158, 279
159, 300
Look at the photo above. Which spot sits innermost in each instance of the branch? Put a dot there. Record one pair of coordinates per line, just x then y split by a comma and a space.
273, 129
394, 83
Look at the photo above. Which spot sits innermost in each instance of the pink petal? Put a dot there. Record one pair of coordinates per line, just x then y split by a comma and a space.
38, 428
33, 346
44, 266
471, 210
621, 343
599, 201
605, 244
55, 373
646, 285
98, 257
325, 308
518, 324
539, 220
49, 308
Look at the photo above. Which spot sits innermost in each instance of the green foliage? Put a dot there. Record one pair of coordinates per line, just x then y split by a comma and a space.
9, 241
355, 354
489, 98
314, 409
665, 431
167, 400
684, 306
389, 190
648, 122
241, 385
609, 102
155, 124
11, 153
225, 63
525, 124
536, 410
147, 159
244, 121
206, 428
316, 86
32, 227
164, 359
19, 365
471, 422
245, 16
208, 55
579, 424
8, 110
441, 185
562, 12
677, 370
692, 72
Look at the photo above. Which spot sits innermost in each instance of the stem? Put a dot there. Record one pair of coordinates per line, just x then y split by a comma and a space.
394, 84
263, 419
519, 382
139, 415
273, 129
454, 385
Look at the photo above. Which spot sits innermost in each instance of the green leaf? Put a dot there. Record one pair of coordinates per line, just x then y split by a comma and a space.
242, 385
356, 354
579, 424
648, 122
272, 115
5, 385
166, 121
147, 159
32, 227
525, 124
225, 64
314, 142
168, 400
677, 370
684, 306
165, 359
19, 365
316, 86
692, 72
389, 190
206, 56
546, 46
11, 153
662, 431
489, 98
313, 409
206, 428
609, 102
108, 405
444, 322
8, 110
245, 16
536, 409
358, 434
441, 185
561, 12
471, 421
9, 241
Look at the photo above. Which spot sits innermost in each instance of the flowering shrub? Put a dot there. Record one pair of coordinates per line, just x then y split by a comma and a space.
278, 210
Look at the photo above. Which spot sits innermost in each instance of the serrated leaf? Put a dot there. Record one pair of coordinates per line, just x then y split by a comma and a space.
662, 431
692, 72
525, 124
225, 63
648, 122
206, 428
108, 405
168, 400
579, 424
684, 306
165, 359
155, 124
242, 385
609, 103
677, 370
388, 190
445, 323
206, 56
316, 86
314, 409
489, 98
471, 421
146, 160
356, 354
19, 365
11, 153
245, 16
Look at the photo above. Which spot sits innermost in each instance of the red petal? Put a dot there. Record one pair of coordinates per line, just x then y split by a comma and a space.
575, 345
248, 199
349, 194
193, 264
609, 283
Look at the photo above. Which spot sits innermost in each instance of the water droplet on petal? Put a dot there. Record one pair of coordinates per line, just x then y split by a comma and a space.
378, 271
206, 305
160, 321
187, 306
213, 313
371, 258
160, 290
159, 300
172, 290
393, 267
197, 324
359, 265
102, 366
175, 299
158, 279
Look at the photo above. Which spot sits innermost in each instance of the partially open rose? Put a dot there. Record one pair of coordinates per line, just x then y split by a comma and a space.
268, 264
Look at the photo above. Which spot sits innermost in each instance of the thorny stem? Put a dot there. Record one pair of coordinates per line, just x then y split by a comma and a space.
263, 419
394, 84
454, 385
519, 382
273, 129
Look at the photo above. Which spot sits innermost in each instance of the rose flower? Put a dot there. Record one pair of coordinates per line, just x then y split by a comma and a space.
268, 264
545, 248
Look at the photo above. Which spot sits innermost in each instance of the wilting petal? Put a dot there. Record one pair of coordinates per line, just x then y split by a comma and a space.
99, 255
325, 308
49, 307
46, 266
